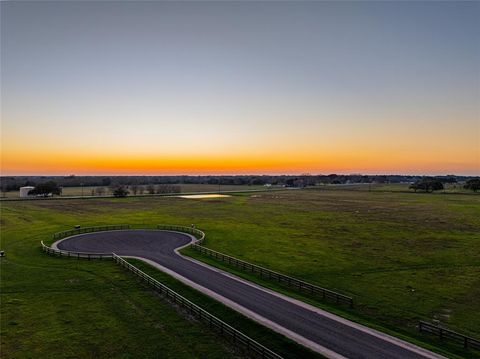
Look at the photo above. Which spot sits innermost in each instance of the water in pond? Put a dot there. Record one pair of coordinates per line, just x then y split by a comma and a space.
202, 196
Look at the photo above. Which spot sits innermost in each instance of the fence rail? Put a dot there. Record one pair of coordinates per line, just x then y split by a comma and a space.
72, 232
447, 334
272, 275
199, 235
60, 235
302, 286
71, 254
238, 338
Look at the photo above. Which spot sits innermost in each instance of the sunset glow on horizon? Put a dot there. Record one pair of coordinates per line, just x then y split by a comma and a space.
152, 88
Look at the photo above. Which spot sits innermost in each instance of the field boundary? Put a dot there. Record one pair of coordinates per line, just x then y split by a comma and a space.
444, 333
298, 284
71, 254
72, 232
295, 283
198, 234
63, 234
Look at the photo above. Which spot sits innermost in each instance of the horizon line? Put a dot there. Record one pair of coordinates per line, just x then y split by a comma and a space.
239, 174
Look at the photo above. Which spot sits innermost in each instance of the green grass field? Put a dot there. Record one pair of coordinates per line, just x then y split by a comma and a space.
393, 187
402, 256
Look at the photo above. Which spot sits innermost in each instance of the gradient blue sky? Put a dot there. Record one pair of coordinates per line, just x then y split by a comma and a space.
240, 87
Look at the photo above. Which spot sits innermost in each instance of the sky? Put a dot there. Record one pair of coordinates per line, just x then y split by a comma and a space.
240, 88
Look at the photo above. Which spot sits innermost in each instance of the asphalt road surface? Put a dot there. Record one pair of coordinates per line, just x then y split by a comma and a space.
341, 338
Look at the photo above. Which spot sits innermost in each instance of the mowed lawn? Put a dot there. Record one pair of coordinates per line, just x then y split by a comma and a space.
402, 256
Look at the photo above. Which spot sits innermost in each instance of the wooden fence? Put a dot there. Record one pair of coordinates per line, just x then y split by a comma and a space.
72, 232
281, 278
81, 255
77, 255
198, 234
238, 338
447, 334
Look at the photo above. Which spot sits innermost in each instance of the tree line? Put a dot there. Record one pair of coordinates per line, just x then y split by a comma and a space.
13, 183
136, 185
431, 184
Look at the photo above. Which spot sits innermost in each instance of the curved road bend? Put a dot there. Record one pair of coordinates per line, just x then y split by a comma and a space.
328, 334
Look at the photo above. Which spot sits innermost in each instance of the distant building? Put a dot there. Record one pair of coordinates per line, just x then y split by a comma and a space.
24, 191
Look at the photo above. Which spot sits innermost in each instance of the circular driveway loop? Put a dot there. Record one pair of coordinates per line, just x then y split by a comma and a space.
341, 337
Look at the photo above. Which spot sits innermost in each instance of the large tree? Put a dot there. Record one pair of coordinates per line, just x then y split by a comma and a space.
427, 184
120, 191
49, 188
473, 184
134, 188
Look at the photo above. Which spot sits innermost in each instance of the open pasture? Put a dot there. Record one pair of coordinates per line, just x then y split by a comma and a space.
402, 256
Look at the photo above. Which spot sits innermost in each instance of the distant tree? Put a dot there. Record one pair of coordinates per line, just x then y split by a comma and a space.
473, 184
427, 184
449, 179
4, 187
381, 179
120, 191
257, 181
308, 180
141, 189
100, 191
46, 189
151, 189
134, 188
290, 182
106, 181
238, 181
213, 180
168, 188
